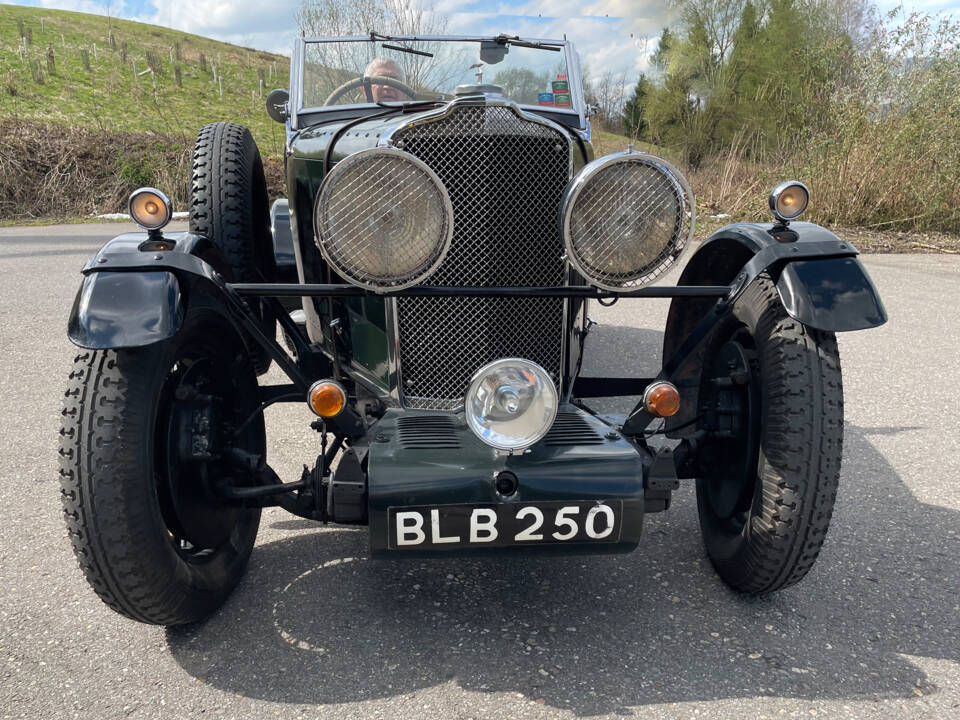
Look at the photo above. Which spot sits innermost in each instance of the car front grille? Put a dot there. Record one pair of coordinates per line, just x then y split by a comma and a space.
506, 177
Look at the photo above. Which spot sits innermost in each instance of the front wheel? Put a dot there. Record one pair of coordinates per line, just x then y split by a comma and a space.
772, 406
138, 462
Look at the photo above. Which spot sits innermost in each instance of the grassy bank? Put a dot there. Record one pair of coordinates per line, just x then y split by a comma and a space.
93, 72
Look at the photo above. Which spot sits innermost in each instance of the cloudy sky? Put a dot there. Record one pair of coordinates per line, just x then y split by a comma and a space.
610, 34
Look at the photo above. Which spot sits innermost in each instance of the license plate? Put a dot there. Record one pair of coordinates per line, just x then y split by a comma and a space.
448, 527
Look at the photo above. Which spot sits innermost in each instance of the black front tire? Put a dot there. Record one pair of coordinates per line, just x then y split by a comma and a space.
115, 475
764, 527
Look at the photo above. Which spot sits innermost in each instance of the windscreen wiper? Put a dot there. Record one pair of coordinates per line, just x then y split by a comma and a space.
377, 37
515, 40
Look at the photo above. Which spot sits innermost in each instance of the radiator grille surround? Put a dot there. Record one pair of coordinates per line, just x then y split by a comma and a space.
505, 176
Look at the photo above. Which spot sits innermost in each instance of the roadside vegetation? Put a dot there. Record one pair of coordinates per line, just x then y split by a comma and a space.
864, 109
91, 107
739, 93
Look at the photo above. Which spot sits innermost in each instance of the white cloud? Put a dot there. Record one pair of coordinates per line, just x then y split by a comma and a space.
263, 25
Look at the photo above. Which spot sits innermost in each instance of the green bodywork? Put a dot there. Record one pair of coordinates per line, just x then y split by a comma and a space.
606, 467
363, 320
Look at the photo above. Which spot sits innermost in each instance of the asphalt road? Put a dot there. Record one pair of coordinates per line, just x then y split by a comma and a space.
318, 630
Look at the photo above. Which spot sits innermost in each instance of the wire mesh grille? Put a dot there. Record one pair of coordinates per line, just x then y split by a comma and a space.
629, 222
505, 177
383, 221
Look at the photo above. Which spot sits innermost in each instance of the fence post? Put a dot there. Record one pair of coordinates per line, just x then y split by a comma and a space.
95, 58
177, 74
51, 61
220, 81
85, 58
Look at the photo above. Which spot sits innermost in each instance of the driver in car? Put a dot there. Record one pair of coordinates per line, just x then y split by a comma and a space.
385, 67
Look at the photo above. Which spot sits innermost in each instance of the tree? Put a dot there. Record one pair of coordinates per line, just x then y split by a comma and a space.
521, 84
660, 56
634, 122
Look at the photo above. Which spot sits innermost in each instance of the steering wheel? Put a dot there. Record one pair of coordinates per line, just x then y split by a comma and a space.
366, 81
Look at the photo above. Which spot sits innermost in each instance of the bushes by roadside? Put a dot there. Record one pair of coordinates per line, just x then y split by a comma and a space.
51, 171
866, 113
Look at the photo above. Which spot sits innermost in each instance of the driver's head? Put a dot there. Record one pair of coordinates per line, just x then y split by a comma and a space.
385, 67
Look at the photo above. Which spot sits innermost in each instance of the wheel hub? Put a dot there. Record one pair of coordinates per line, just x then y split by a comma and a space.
193, 458
732, 412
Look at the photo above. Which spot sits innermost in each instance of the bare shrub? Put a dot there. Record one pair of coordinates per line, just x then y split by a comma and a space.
155, 62
53, 171
886, 153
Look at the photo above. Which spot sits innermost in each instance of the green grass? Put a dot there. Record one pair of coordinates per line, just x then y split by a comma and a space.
111, 97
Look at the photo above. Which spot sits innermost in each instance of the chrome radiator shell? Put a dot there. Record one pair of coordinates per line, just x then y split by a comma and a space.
505, 172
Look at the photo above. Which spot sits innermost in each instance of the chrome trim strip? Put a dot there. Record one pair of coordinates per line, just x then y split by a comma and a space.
296, 83
393, 350
572, 59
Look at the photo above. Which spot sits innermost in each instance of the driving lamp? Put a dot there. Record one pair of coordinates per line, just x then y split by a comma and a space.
327, 398
150, 208
789, 200
626, 218
383, 219
511, 404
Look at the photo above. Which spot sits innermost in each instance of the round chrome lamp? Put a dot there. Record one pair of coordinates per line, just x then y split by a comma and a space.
626, 218
789, 200
511, 404
383, 220
150, 209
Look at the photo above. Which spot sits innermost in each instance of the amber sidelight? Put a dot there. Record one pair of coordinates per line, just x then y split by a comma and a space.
662, 399
327, 398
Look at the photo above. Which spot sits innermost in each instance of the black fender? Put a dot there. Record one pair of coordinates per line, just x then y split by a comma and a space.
833, 294
128, 309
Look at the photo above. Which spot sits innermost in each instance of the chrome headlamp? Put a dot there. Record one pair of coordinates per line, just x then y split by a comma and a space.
626, 218
511, 404
383, 219
789, 200
150, 208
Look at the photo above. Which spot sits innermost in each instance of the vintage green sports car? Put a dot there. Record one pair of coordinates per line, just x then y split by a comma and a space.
445, 227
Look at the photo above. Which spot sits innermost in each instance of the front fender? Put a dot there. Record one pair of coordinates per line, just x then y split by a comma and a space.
125, 309
834, 294
830, 293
